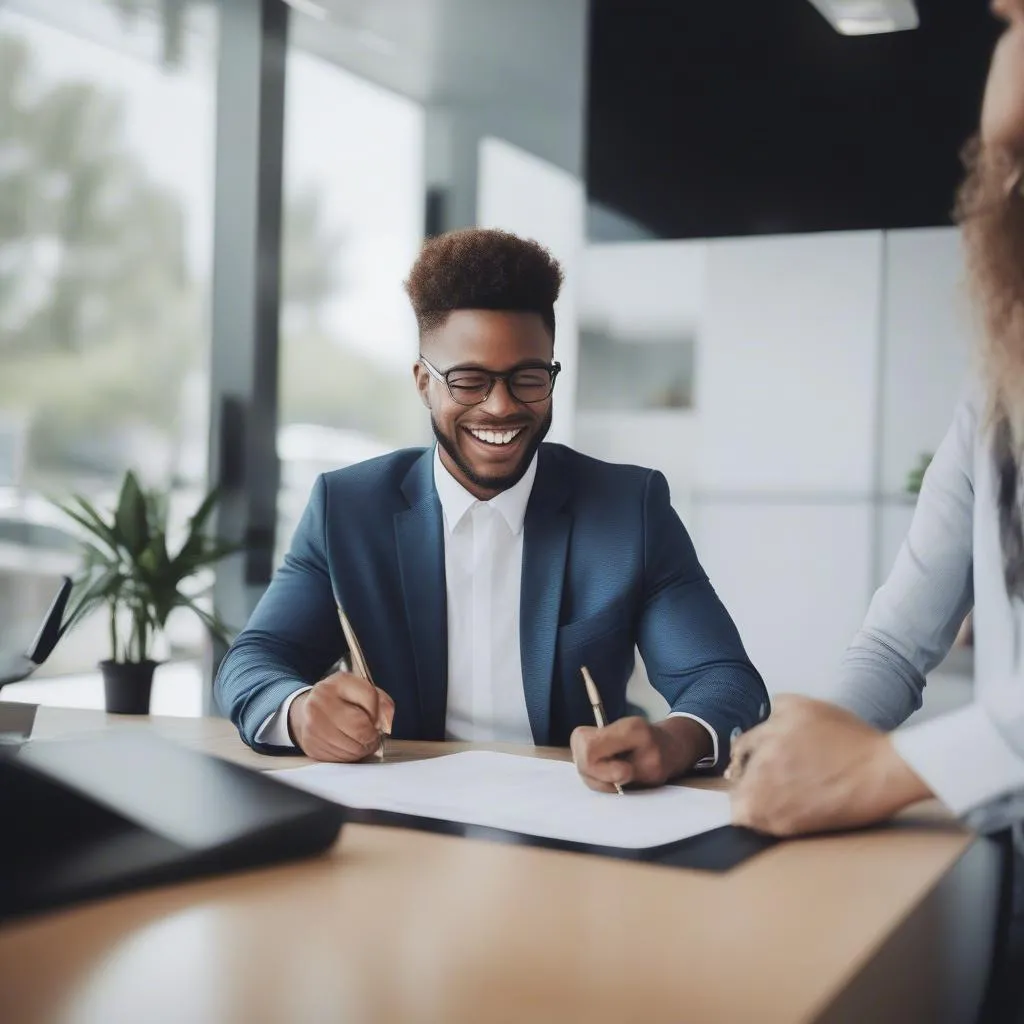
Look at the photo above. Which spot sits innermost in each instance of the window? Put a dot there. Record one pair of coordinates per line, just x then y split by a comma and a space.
353, 213
106, 196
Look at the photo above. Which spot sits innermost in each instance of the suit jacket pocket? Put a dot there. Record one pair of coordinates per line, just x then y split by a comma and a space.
582, 632
605, 644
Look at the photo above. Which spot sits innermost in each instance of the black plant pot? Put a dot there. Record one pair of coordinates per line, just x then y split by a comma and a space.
127, 686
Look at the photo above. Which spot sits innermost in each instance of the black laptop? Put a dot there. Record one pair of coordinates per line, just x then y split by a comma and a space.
98, 814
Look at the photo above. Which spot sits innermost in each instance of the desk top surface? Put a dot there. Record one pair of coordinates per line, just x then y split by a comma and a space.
406, 925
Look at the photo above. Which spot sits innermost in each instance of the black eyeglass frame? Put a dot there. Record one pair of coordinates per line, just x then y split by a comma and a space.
552, 369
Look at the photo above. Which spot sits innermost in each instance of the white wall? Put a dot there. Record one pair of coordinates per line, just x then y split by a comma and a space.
927, 325
826, 364
786, 399
787, 364
532, 198
796, 579
643, 289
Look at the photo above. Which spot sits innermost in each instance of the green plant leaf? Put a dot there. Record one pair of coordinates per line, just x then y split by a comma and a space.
196, 541
197, 522
163, 605
106, 529
155, 580
153, 561
95, 526
95, 556
212, 623
97, 589
201, 554
205, 554
163, 598
156, 511
131, 519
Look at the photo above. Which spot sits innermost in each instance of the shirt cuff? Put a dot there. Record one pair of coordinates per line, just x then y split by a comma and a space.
274, 730
962, 757
704, 762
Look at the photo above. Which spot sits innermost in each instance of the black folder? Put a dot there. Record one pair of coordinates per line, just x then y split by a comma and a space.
102, 813
719, 849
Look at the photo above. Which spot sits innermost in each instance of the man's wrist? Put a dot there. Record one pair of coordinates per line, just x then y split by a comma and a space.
683, 743
294, 720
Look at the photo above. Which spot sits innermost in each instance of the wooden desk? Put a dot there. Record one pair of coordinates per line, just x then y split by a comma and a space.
398, 925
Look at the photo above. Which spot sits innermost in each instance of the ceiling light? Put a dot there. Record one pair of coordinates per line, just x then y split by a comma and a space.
868, 17
866, 26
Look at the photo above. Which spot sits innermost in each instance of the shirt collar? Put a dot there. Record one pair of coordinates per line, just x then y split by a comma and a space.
456, 501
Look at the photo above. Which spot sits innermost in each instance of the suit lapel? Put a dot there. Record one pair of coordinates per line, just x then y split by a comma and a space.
419, 533
546, 532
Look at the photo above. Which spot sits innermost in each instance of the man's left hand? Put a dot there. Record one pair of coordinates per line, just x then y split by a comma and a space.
814, 767
633, 750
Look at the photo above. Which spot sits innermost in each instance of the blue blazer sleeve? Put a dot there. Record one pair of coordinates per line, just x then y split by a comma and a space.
293, 636
690, 646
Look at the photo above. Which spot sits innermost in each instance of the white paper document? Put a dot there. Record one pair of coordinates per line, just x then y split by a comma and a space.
521, 794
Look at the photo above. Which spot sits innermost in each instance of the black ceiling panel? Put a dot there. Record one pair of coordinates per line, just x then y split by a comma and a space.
737, 117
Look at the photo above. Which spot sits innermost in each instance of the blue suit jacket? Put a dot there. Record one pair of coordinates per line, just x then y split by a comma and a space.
607, 565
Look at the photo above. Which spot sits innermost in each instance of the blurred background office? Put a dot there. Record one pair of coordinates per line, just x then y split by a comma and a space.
764, 293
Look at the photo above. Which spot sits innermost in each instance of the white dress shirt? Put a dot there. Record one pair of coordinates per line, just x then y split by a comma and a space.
483, 561
483, 565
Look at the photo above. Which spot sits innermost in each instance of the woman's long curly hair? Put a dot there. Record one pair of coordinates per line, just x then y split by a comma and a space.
990, 211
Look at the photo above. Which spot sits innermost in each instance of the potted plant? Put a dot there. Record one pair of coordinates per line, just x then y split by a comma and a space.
128, 568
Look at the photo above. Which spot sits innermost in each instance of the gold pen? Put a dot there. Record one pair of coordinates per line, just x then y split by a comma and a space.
359, 665
595, 703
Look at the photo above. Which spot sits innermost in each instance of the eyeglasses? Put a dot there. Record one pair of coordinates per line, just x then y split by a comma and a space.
470, 386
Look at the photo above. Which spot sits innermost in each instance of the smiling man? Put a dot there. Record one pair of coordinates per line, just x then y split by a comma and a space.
482, 573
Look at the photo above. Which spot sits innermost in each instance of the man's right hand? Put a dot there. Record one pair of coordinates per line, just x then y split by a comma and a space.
341, 718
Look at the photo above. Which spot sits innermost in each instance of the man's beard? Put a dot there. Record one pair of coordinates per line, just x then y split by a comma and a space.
493, 483
990, 210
